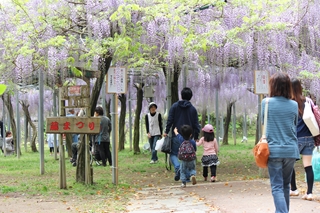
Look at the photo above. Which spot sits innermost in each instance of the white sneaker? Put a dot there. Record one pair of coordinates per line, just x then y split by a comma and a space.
294, 193
152, 162
307, 197
183, 185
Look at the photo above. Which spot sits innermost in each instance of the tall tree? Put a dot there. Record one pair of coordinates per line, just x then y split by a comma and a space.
122, 120
136, 132
25, 109
8, 102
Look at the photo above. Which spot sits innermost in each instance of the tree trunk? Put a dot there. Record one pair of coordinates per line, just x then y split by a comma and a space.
257, 130
68, 144
174, 83
104, 64
122, 120
80, 171
226, 124
25, 108
136, 135
8, 103
203, 120
108, 108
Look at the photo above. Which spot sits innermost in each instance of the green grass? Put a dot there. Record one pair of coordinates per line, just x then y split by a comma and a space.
22, 176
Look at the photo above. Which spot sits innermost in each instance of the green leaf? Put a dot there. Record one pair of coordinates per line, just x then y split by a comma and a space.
3, 88
76, 71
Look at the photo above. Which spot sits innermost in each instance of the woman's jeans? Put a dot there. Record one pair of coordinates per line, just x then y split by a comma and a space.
280, 170
187, 169
153, 141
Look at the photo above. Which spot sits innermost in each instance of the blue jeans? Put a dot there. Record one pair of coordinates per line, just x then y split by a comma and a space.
187, 169
175, 162
306, 145
280, 170
153, 141
174, 154
74, 149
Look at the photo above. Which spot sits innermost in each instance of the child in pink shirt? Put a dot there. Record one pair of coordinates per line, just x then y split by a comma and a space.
210, 151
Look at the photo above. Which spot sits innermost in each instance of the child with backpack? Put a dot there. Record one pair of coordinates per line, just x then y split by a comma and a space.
186, 155
210, 151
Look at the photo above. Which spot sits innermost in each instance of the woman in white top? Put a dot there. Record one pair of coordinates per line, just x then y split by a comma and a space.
154, 129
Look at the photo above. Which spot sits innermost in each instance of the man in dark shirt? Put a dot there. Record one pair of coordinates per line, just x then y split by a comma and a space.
181, 113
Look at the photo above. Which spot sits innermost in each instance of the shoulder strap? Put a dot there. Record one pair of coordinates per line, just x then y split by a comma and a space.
309, 100
265, 117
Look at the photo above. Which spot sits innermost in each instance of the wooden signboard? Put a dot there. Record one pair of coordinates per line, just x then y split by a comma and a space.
74, 125
77, 96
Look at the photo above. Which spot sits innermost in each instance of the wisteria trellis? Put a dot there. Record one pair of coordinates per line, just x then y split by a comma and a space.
222, 45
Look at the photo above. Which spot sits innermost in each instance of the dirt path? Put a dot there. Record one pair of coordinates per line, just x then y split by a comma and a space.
168, 199
9, 204
250, 197
204, 197
220, 197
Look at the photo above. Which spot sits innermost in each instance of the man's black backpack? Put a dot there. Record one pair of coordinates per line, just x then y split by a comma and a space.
186, 151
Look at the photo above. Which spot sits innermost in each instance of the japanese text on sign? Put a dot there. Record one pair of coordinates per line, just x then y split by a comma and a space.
73, 125
74, 90
78, 91
261, 82
117, 80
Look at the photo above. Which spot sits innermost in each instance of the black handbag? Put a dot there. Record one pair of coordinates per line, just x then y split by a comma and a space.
166, 147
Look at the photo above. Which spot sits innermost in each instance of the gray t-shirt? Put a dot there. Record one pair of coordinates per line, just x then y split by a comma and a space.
105, 129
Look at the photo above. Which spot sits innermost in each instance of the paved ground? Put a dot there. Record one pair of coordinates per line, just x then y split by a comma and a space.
219, 197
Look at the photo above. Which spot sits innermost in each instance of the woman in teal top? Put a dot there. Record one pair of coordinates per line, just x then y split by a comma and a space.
281, 133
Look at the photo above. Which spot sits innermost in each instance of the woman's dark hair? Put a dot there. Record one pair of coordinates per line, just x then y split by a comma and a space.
280, 85
186, 132
99, 110
8, 133
208, 136
297, 94
186, 94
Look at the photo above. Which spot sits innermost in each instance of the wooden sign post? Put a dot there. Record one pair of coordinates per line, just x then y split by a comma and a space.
261, 87
74, 125
116, 83
76, 97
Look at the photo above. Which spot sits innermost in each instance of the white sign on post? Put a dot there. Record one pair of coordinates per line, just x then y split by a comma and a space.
116, 80
261, 82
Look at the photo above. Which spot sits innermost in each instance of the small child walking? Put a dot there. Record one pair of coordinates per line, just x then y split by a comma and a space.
187, 155
50, 140
210, 151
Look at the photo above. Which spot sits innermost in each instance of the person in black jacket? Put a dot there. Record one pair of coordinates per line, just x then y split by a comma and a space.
181, 113
154, 129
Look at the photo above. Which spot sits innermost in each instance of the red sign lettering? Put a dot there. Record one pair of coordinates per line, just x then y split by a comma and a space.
80, 125
54, 126
91, 125
66, 126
